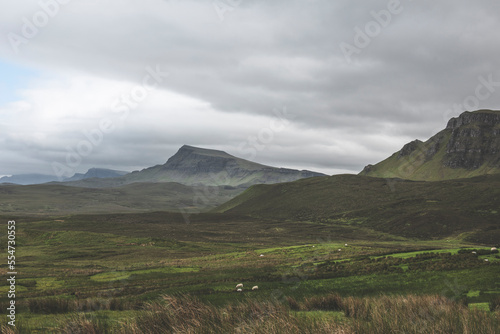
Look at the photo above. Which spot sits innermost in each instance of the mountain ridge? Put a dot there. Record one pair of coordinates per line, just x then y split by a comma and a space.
200, 166
32, 179
100, 173
469, 146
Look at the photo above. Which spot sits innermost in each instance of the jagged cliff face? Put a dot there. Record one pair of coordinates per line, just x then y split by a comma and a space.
469, 146
474, 140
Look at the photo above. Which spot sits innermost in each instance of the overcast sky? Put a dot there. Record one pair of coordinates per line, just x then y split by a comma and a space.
324, 85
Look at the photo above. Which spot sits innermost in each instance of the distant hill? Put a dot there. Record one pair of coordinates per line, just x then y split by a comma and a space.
468, 147
30, 179
199, 166
193, 180
25, 179
100, 173
400, 207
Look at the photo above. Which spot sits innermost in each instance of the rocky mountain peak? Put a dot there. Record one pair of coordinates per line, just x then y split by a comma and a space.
195, 160
187, 152
409, 148
475, 138
480, 117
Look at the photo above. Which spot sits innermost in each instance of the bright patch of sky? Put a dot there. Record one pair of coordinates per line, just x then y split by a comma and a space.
13, 79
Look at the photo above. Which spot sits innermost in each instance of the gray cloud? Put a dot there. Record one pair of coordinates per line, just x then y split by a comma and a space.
414, 74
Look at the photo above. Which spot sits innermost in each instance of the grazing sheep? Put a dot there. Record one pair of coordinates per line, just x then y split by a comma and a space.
346, 245
486, 260
239, 285
261, 255
239, 290
493, 249
255, 288
474, 252
340, 250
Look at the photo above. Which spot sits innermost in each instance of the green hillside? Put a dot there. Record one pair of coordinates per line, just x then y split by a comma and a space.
406, 208
468, 147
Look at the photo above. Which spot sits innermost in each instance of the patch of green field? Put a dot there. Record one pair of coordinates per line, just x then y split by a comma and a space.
49, 283
413, 254
6, 288
480, 306
123, 275
473, 293
320, 315
111, 276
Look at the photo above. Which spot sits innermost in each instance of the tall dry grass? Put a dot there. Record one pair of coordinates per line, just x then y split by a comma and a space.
82, 324
190, 316
495, 304
374, 315
417, 314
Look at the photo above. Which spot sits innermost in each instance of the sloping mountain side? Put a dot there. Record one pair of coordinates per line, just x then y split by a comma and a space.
468, 147
56, 199
400, 207
198, 166
100, 173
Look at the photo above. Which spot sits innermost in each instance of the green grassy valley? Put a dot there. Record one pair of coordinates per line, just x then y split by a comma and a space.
115, 273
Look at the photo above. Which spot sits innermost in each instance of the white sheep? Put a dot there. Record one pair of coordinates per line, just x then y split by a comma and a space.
239, 285
261, 255
239, 290
474, 252
493, 249
255, 288
486, 260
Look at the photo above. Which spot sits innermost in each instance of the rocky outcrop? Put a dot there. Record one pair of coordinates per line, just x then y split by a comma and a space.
468, 146
409, 148
434, 145
487, 117
474, 140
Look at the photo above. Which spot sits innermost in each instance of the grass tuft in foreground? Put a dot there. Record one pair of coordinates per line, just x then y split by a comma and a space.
375, 315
